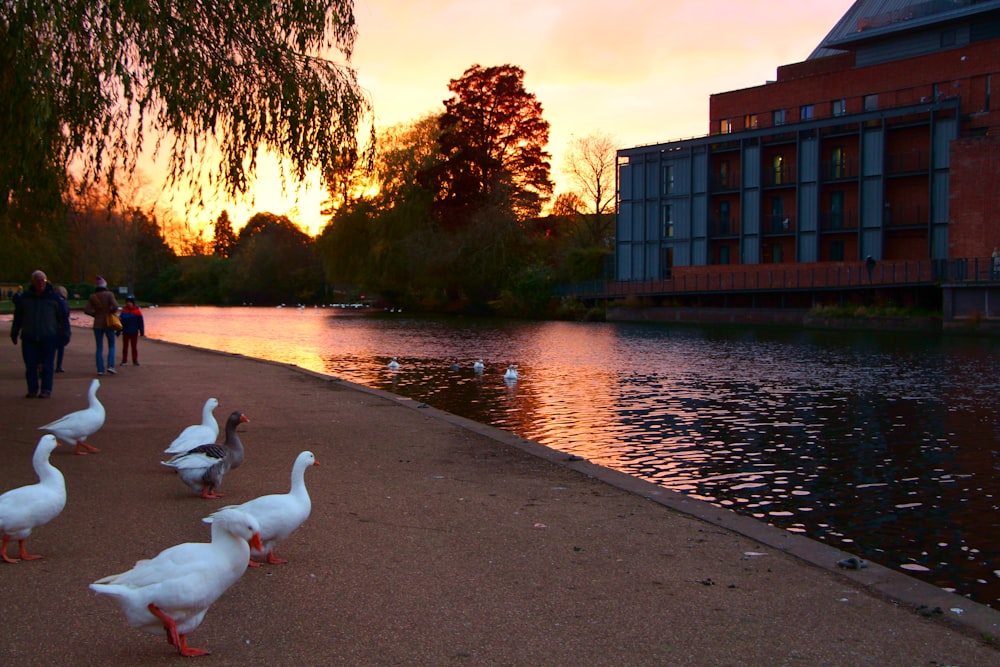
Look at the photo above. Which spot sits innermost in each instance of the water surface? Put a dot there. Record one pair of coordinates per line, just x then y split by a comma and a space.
883, 445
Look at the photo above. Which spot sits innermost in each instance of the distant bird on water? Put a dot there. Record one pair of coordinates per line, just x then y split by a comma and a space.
511, 374
394, 365
478, 367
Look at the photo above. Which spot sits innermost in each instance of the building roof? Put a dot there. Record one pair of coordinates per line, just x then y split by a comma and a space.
867, 20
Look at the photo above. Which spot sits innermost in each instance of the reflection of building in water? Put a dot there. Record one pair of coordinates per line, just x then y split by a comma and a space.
885, 142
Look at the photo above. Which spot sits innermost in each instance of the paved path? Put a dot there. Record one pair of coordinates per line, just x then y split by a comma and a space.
432, 541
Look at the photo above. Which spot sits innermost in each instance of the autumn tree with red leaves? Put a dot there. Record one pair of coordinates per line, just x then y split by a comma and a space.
492, 147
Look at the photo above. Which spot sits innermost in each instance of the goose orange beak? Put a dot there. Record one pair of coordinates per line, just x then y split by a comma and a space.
255, 542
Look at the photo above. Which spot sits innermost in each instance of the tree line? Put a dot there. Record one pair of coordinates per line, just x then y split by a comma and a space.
442, 213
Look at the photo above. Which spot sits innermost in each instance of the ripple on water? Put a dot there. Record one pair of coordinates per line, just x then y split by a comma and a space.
883, 444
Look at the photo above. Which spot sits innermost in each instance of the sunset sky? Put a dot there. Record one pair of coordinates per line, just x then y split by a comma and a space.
638, 70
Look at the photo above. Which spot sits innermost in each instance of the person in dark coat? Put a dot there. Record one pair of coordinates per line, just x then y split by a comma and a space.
61, 350
132, 327
41, 320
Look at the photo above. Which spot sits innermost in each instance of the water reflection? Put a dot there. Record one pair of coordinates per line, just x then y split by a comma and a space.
883, 445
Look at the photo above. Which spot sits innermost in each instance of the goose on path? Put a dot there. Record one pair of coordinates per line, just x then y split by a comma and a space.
27, 507
279, 514
74, 428
203, 467
197, 434
171, 592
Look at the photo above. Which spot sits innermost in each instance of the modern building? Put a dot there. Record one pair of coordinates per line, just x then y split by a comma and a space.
882, 147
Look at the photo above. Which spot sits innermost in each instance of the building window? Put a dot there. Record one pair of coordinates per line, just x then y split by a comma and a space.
871, 102
666, 262
806, 112
724, 218
777, 255
750, 121
724, 174
725, 126
778, 166
666, 221
836, 251
838, 165
724, 254
778, 117
987, 100
837, 212
949, 38
838, 107
667, 183
779, 223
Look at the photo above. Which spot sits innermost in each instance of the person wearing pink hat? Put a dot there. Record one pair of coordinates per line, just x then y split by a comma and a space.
101, 304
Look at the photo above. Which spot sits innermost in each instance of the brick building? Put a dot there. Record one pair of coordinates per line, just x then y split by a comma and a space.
883, 144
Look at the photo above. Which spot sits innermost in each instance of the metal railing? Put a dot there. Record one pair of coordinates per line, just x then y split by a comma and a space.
826, 276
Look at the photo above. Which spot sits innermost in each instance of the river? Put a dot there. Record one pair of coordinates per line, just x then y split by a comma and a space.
884, 445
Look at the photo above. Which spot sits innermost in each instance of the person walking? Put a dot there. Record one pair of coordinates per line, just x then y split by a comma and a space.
132, 327
41, 319
61, 350
101, 304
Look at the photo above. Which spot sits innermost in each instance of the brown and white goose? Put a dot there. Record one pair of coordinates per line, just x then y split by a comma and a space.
203, 467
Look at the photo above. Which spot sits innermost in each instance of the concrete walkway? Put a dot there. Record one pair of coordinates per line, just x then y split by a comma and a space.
433, 541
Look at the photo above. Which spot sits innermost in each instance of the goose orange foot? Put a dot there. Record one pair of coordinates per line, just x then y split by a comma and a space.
3, 552
83, 448
174, 638
209, 493
24, 555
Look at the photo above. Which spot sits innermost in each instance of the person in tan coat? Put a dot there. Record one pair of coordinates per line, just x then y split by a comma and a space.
101, 304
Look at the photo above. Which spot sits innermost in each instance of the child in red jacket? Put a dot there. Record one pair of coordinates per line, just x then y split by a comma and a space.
132, 327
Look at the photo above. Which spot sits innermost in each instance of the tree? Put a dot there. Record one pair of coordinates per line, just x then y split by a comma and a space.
590, 164
224, 237
492, 147
273, 262
567, 204
383, 241
87, 80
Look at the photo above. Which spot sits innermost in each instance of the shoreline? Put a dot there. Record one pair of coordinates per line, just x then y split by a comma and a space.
433, 539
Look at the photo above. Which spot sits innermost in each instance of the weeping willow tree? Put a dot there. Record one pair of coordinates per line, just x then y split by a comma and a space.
89, 85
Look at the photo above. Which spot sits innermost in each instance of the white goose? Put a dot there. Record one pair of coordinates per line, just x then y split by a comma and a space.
197, 434
478, 367
74, 428
171, 592
28, 507
203, 467
394, 364
279, 514
511, 374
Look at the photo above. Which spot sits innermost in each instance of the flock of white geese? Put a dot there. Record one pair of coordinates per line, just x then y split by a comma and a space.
169, 593
510, 376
